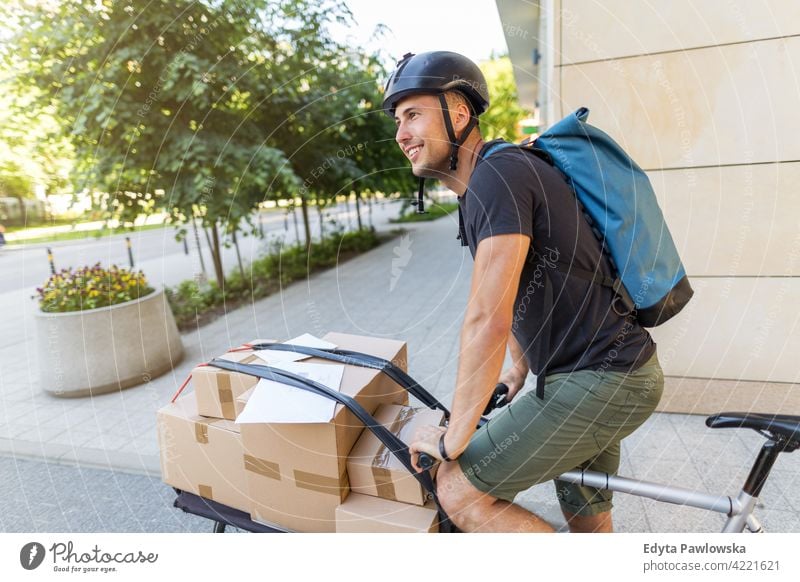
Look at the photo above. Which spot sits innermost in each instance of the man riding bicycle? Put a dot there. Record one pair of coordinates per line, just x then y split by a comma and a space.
598, 376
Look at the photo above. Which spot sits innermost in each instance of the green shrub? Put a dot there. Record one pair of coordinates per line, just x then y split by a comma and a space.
282, 265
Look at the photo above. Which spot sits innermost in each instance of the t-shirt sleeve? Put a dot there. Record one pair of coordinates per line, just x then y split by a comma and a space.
501, 198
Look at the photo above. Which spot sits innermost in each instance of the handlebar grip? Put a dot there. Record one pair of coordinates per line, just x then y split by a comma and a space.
426, 461
499, 398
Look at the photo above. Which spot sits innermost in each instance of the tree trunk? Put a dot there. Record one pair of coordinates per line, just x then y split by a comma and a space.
347, 211
296, 225
304, 208
238, 254
358, 211
216, 255
321, 225
199, 248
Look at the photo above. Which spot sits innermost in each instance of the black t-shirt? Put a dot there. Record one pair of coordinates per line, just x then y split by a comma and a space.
514, 191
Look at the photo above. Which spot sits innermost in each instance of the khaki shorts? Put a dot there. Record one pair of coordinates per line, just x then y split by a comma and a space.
579, 424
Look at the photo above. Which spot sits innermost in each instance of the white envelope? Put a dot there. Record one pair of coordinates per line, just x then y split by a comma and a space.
280, 403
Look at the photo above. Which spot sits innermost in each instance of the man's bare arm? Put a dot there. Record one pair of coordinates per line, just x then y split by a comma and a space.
485, 332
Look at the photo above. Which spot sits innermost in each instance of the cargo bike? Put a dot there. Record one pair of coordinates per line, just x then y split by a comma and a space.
782, 433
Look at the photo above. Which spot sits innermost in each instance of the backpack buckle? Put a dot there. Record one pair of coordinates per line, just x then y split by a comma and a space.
619, 299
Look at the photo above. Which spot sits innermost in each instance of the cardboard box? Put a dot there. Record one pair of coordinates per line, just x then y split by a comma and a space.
374, 470
368, 514
216, 390
202, 455
297, 473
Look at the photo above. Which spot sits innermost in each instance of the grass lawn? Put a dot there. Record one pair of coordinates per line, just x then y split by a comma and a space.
82, 234
432, 212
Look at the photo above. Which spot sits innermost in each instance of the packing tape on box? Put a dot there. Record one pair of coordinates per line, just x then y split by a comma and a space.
225, 395
201, 432
225, 389
381, 473
302, 479
322, 483
262, 467
205, 491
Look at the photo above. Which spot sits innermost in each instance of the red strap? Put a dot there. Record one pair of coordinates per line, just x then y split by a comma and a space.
185, 383
242, 348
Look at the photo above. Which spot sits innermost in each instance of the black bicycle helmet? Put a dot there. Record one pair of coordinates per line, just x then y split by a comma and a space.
434, 73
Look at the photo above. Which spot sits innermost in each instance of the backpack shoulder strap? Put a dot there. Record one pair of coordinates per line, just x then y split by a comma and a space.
525, 146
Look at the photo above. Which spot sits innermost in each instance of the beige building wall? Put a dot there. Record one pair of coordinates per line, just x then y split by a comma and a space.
706, 97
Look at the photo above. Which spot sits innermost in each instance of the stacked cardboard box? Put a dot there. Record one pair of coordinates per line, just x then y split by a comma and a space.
368, 514
292, 475
374, 470
202, 455
297, 473
386, 497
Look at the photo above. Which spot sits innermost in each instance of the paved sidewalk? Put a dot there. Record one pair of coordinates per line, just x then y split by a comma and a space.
413, 288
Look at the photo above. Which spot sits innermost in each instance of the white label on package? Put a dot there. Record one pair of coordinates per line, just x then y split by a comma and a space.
275, 402
271, 357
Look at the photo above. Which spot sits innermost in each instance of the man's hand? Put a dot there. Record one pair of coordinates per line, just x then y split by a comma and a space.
426, 440
514, 378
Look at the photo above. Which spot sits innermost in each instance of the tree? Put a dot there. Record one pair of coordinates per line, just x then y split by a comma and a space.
32, 149
158, 100
504, 113
339, 140
205, 109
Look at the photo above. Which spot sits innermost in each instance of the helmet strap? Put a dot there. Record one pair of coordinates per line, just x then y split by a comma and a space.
419, 203
451, 133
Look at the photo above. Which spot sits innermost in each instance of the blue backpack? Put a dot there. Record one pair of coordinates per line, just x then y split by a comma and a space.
621, 207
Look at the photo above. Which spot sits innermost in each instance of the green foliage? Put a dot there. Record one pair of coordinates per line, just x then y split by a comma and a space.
504, 113
207, 108
91, 287
33, 149
194, 305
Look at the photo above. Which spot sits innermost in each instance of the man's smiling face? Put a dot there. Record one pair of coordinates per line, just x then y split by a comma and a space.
422, 136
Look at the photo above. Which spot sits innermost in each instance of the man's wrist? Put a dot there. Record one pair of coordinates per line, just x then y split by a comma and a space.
449, 445
521, 370
443, 449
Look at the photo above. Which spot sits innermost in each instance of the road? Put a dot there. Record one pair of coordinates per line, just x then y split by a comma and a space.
48, 497
158, 254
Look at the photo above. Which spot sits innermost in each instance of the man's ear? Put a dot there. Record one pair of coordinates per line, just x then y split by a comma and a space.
460, 116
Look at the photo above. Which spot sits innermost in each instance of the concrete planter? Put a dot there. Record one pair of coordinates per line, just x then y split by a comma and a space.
90, 352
